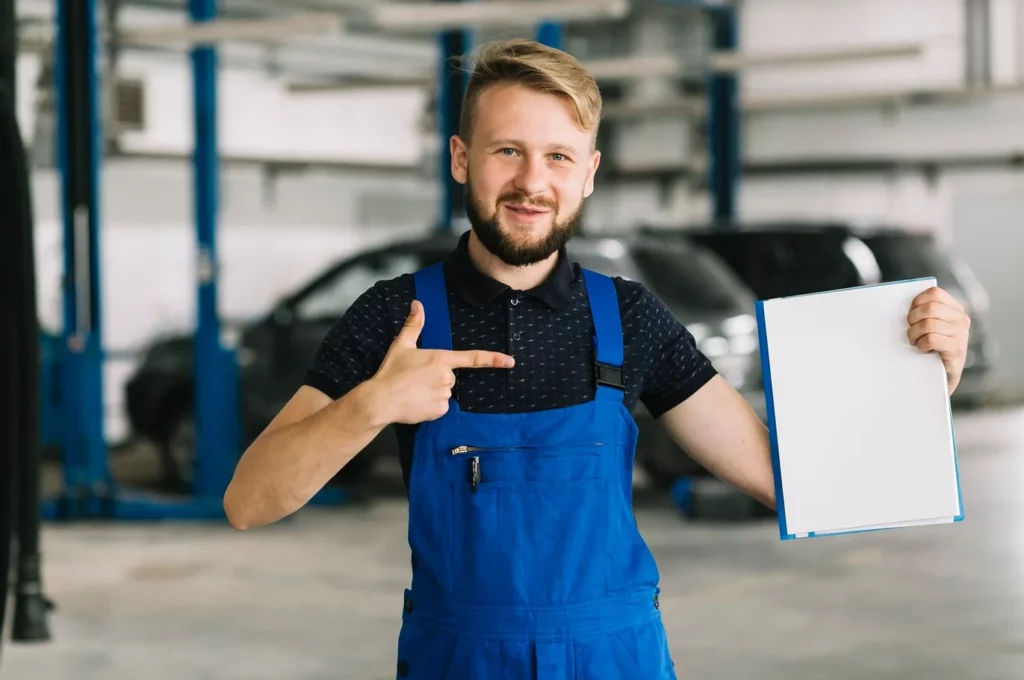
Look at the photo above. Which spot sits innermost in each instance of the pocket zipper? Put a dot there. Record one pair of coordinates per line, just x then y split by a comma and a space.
460, 450
474, 476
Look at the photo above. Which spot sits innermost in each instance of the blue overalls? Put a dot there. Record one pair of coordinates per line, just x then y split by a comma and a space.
527, 560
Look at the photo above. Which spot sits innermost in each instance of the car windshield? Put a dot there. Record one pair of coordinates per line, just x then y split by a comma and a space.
908, 256
689, 278
611, 259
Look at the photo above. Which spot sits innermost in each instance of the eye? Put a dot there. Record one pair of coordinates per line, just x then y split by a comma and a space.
559, 157
507, 149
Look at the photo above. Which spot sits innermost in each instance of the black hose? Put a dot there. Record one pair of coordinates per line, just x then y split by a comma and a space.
30, 606
8, 359
19, 434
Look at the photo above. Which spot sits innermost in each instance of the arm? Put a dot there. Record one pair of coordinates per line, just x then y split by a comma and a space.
323, 426
301, 449
719, 430
313, 437
704, 415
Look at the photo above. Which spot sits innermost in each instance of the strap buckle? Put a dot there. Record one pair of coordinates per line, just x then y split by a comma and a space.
608, 375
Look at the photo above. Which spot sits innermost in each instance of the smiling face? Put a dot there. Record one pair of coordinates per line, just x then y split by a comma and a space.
527, 167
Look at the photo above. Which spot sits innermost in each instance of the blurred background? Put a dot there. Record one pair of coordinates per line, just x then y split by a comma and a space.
212, 183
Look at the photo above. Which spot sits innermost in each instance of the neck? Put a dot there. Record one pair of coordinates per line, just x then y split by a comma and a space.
517, 278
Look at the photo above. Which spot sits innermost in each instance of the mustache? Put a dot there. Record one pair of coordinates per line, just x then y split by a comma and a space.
519, 199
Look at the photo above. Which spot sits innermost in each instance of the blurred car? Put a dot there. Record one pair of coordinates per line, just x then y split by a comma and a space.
776, 259
274, 352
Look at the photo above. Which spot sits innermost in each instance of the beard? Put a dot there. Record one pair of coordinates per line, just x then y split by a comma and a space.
519, 253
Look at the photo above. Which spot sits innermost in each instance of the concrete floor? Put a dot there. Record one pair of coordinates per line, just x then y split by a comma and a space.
320, 597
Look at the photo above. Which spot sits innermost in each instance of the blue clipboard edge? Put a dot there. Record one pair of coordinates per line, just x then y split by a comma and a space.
766, 376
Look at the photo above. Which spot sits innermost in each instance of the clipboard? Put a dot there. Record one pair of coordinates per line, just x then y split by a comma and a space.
859, 419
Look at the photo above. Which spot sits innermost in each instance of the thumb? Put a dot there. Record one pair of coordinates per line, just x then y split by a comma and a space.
410, 332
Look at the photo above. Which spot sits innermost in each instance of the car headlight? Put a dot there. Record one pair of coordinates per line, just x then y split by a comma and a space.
740, 325
714, 346
743, 344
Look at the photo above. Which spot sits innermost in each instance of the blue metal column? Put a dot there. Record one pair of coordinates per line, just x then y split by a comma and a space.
216, 375
724, 126
550, 34
86, 477
451, 86
88, 489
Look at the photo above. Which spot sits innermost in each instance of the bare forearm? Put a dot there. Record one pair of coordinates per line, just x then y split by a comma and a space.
719, 430
284, 468
742, 458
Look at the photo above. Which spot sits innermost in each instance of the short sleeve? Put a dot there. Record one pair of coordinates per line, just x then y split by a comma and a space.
355, 346
674, 367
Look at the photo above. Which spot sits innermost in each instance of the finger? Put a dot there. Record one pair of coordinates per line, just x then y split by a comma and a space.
935, 310
410, 332
935, 342
933, 326
447, 379
936, 294
478, 359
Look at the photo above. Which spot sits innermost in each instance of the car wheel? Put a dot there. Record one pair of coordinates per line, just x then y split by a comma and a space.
660, 477
178, 453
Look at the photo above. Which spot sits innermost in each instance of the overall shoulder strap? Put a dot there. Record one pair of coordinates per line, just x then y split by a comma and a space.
608, 352
432, 293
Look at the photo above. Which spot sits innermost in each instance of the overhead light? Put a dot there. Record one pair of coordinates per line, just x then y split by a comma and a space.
735, 61
438, 16
358, 82
218, 30
671, 66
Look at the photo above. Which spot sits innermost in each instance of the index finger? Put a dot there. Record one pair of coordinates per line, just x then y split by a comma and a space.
936, 294
478, 359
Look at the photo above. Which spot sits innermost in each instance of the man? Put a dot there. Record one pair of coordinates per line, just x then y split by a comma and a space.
527, 562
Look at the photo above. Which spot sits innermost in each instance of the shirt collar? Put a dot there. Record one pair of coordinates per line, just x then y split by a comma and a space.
479, 289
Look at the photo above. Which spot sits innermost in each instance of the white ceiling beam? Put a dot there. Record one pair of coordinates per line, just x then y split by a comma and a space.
628, 69
438, 16
696, 107
669, 66
215, 31
736, 61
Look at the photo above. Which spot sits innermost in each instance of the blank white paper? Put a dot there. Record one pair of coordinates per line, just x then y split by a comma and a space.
860, 419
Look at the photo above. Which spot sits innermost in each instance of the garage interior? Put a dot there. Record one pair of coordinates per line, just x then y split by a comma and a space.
196, 190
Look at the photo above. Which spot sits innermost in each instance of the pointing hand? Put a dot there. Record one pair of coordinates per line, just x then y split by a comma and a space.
416, 384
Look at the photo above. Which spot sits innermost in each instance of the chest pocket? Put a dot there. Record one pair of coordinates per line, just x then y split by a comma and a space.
531, 525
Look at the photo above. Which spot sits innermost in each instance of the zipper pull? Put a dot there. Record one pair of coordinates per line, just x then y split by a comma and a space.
460, 450
475, 474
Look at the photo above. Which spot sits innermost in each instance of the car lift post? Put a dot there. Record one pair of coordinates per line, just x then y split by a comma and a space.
725, 159
724, 124
86, 476
217, 412
550, 33
88, 489
451, 84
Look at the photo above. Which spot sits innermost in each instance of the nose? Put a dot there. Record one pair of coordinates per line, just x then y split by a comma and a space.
532, 178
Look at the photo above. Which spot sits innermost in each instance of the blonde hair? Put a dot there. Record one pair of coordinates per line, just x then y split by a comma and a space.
537, 67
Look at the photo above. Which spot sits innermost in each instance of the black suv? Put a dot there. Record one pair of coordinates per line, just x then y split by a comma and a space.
776, 259
274, 351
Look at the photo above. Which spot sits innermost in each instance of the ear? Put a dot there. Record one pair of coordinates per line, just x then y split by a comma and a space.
459, 159
588, 186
